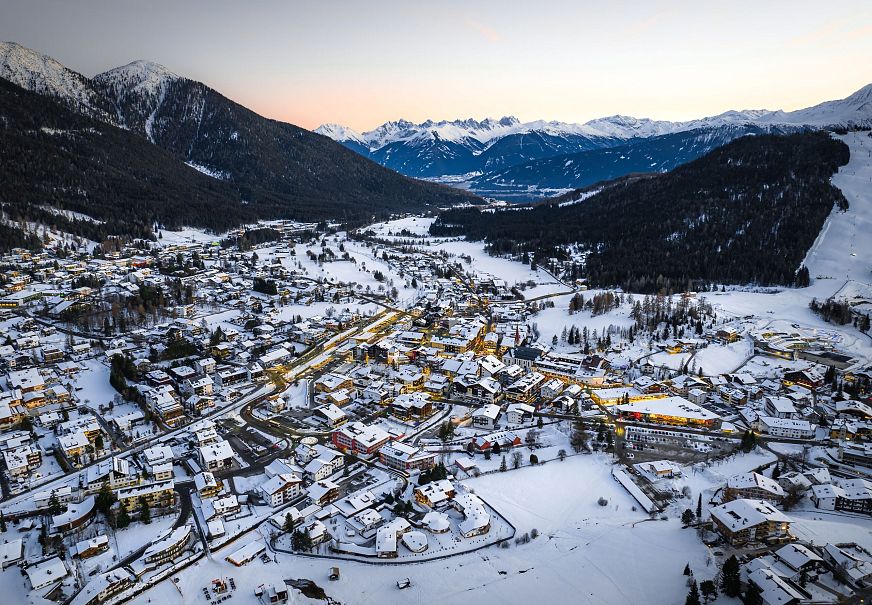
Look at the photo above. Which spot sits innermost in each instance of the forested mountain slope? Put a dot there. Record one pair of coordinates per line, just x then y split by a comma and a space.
52, 157
273, 163
139, 144
651, 154
746, 212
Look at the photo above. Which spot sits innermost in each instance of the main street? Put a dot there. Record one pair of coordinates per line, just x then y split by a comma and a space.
315, 359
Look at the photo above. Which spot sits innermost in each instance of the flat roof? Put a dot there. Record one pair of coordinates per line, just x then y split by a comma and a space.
669, 406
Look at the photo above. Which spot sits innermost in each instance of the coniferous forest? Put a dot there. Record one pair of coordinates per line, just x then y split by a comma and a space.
54, 159
745, 213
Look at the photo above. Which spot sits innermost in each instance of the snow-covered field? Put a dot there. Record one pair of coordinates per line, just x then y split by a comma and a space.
511, 271
93, 381
584, 549
415, 225
720, 359
188, 236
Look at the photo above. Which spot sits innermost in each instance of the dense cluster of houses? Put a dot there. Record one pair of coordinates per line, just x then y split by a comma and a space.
465, 345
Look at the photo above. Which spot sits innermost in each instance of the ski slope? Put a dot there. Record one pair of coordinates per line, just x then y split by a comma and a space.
839, 261
843, 250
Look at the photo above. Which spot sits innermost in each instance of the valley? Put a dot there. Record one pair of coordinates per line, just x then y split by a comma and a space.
608, 360
339, 291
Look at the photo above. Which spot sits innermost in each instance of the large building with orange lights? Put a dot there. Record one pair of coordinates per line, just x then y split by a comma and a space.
676, 411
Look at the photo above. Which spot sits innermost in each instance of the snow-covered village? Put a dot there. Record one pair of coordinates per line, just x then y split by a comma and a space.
355, 415
343, 303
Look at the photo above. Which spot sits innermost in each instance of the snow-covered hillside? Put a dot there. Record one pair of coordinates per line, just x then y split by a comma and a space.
843, 250
141, 86
43, 75
854, 110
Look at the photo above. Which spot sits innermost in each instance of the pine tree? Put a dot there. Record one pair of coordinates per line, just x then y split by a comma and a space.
503, 467
123, 519
144, 511
776, 471
105, 498
730, 581
803, 279
446, 432
749, 441
693, 594
289, 523
54, 505
709, 591
301, 541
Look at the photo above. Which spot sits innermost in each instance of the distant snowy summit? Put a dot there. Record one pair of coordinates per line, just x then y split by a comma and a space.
855, 110
852, 111
536, 156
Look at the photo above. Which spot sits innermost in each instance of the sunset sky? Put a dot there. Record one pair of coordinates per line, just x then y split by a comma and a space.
363, 63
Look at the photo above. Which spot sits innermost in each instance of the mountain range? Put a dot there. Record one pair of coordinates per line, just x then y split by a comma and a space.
199, 144
524, 160
139, 146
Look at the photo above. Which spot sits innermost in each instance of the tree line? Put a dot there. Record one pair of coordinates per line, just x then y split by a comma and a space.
746, 213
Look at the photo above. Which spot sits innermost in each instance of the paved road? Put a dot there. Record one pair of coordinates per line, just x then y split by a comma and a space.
255, 395
306, 364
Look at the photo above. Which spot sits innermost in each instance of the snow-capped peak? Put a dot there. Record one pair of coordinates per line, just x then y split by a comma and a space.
853, 110
861, 98
446, 130
137, 91
43, 75
139, 77
626, 127
340, 133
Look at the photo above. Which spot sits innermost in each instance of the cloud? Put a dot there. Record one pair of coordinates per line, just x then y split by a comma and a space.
484, 31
